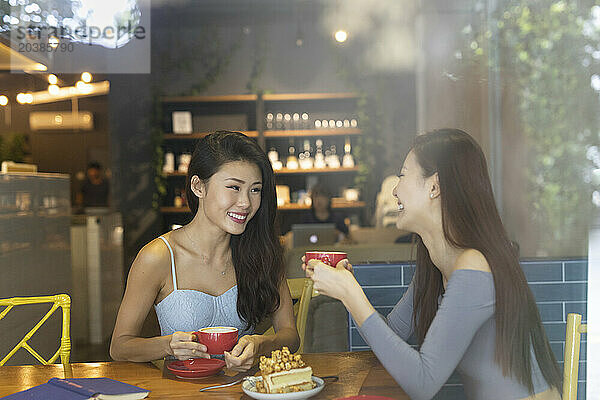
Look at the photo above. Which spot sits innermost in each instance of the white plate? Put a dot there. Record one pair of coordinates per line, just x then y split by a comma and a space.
249, 387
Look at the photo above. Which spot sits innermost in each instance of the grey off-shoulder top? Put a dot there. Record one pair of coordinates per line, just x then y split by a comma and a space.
462, 336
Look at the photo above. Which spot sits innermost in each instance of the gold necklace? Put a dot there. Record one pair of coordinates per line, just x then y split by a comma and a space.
203, 257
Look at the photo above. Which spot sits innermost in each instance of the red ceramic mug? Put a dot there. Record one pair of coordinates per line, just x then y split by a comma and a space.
327, 257
217, 339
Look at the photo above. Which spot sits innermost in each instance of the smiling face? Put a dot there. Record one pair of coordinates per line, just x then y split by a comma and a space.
232, 196
413, 192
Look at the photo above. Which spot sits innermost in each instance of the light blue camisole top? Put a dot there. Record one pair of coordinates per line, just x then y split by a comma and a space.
188, 310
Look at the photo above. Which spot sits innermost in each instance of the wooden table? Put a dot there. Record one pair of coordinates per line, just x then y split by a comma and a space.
359, 373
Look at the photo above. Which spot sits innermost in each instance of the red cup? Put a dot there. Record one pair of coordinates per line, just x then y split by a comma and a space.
217, 339
330, 258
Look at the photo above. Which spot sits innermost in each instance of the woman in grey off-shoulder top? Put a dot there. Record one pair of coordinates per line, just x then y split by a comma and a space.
469, 305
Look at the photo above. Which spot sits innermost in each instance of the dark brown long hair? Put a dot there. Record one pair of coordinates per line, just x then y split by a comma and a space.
257, 253
471, 220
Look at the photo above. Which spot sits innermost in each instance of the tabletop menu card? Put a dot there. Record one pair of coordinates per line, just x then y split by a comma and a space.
81, 389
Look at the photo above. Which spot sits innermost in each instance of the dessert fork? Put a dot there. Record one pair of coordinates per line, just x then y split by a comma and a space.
254, 379
246, 378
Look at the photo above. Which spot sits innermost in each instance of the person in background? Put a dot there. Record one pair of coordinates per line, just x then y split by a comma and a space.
224, 268
95, 188
469, 303
321, 212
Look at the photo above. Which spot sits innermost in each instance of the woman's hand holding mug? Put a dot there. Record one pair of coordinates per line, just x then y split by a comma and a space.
183, 346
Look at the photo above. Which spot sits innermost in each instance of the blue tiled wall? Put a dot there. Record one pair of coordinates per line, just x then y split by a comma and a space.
559, 286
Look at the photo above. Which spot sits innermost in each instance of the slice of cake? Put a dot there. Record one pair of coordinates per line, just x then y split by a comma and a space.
284, 373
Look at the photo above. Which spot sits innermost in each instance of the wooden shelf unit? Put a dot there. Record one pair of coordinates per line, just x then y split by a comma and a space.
307, 96
285, 171
199, 135
210, 99
254, 97
338, 205
255, 107
312, 132
286, 207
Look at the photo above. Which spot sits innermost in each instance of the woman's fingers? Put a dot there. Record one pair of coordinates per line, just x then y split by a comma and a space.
242, 355
344, 264
183, 346
309, 273
239, 347
237, 363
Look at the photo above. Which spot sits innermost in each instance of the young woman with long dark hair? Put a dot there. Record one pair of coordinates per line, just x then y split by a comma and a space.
469, 304
224, 268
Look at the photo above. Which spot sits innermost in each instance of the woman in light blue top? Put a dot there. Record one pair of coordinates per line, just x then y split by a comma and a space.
224, 268
469, 304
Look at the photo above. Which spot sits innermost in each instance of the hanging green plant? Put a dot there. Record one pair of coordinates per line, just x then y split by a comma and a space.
160, 181
368, 147
547, 49
13, 147
200, 62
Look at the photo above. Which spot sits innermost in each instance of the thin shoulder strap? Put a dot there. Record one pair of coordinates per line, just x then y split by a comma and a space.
172, 262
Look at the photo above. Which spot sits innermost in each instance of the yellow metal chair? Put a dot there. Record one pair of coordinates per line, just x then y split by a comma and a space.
301, 289
59, 300
572, 344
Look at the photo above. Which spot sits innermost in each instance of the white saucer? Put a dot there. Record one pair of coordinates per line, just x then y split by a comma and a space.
249, 387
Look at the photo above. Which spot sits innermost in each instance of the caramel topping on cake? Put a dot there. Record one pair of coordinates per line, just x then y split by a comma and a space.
281, 360
284, 373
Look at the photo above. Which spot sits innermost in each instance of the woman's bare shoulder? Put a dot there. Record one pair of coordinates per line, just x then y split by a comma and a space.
154, 259
472, 259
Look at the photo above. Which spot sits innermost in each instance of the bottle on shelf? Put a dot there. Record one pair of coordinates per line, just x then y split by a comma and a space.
169, 165
332, 159
305, 121
274, 158
307, 161
184, 162
279, 121
319, 157
287, 121
347, 160
269, 120
273, 155
292, 161
178, 199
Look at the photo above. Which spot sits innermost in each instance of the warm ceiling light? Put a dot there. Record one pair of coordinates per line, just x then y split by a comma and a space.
53, 42
28, 98
86, 77
21, 99
341, 36
3, 100
40, 67
52, 79
53, 89
83, 87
